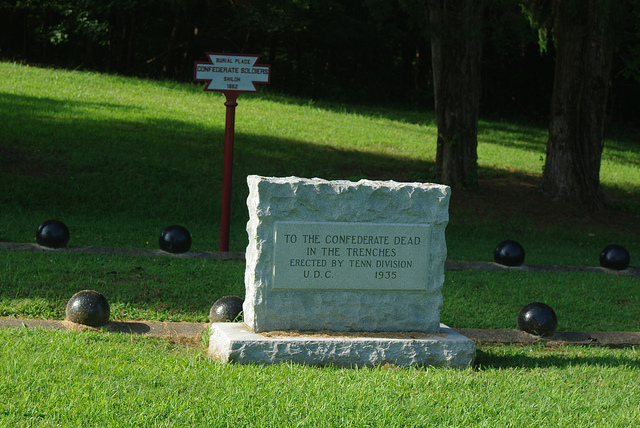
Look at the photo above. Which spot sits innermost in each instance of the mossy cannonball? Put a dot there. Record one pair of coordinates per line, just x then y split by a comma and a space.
175, 239
615, 257
88, 307
53, 234
538, 318
509, 253
226, 309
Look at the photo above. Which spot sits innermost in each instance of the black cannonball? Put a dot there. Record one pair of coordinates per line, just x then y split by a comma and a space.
538, 318
225, 309
615, 257
509, 253
52, 234
88, 307
175, 239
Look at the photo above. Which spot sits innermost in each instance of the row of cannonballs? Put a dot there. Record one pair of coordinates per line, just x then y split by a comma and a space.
177, 239
89, 307
55, 234
511, 253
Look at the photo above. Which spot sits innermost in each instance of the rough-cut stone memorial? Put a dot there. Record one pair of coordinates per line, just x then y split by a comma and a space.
345, 273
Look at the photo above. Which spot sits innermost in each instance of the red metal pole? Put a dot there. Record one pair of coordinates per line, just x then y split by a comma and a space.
227, 169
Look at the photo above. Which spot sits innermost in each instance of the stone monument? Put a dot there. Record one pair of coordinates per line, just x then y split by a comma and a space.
343, 273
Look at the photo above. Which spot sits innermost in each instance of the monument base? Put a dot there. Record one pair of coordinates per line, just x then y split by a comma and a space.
235, 342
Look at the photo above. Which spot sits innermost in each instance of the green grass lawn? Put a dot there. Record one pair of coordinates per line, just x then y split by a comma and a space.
119, 159
91, 379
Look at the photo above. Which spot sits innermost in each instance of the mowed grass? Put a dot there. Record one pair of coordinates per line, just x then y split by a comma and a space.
119, 159
92, 379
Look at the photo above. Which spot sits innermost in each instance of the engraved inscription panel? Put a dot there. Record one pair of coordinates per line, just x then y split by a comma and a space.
351, 256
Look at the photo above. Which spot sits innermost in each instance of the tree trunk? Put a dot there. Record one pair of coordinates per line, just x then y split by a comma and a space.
578, 103
456, 46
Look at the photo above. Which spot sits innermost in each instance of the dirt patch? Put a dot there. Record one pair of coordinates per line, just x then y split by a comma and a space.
518, 196
194, 341
179, 334
350, 334
72, 326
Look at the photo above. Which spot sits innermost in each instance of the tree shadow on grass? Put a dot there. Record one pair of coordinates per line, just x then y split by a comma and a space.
58, 157
539, 356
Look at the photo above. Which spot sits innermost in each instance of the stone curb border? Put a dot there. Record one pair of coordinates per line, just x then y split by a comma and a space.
464, 265
193, 332
240, 257
120, 251
610, 339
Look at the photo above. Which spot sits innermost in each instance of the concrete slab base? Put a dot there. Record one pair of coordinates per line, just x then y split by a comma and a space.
235, 342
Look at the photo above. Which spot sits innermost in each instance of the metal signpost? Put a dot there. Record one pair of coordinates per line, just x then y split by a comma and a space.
231, 74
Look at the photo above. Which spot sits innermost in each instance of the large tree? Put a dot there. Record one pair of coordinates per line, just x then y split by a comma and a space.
583, 35
456, 49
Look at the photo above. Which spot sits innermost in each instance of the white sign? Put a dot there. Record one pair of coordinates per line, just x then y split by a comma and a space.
351, 256
232, 72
